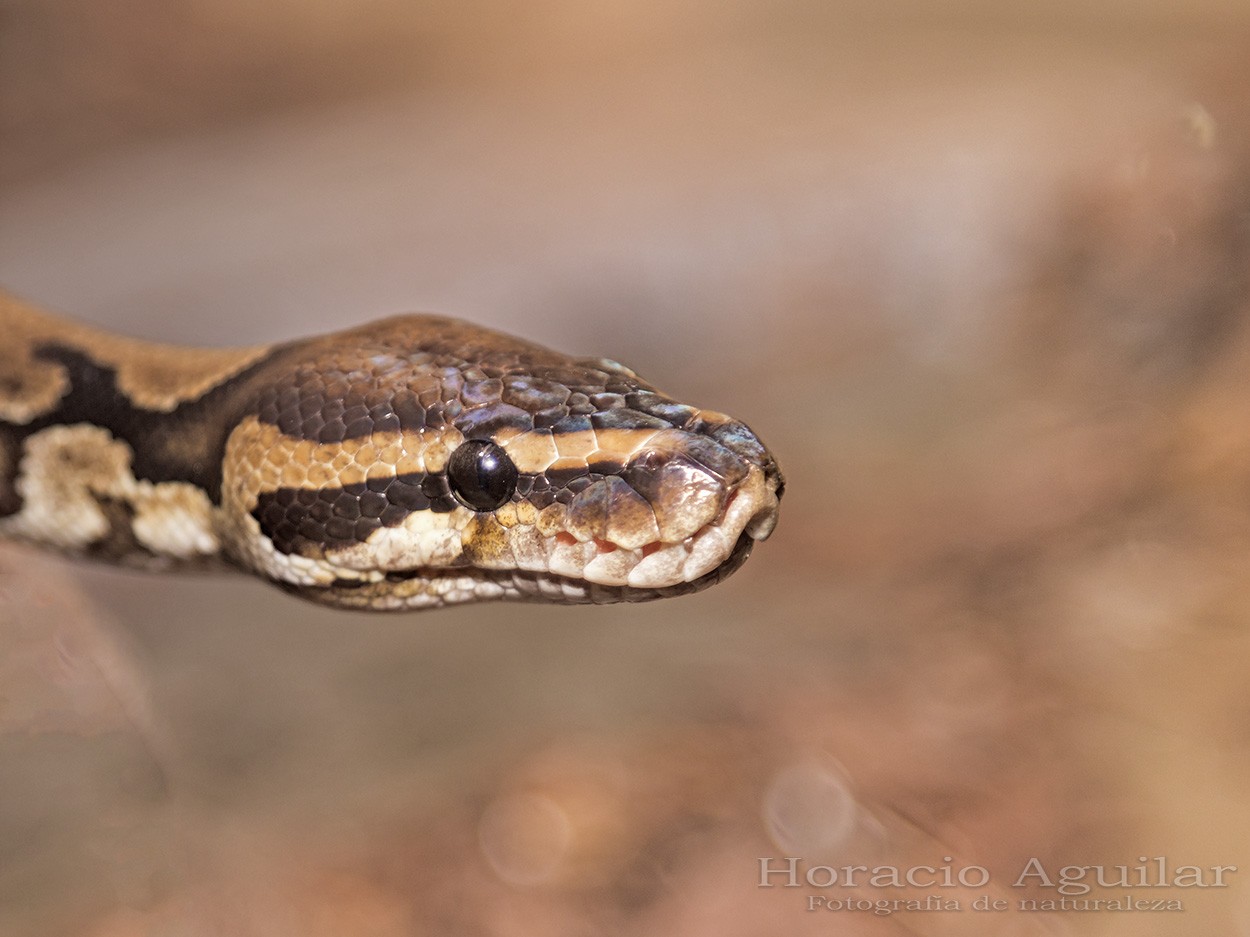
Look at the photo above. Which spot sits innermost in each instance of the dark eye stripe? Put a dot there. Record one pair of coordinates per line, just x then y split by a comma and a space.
10, 454
302, 519
310, 520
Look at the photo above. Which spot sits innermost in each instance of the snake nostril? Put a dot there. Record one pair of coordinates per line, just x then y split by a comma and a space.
773, 470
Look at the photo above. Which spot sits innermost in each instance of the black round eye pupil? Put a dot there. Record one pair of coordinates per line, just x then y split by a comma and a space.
481, 475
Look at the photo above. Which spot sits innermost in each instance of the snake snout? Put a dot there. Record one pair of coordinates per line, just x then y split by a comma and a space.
676, 510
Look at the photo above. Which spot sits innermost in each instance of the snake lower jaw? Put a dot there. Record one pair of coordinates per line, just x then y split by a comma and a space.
409, 590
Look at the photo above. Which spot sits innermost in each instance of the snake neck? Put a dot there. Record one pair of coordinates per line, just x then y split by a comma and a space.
110, 446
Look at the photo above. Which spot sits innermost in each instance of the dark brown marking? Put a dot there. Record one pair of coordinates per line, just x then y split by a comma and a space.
546, 419
649, 402
626, 418
561, 477
533, 394
606, 465
185, 444
483, 422
589, 508
717, 459
308, 521
428, 373
573, 423
10, 456
120, 542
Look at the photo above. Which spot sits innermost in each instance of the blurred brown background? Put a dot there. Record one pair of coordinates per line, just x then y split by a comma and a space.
977, 274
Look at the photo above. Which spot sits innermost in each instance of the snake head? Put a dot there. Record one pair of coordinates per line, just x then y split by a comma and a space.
422, 461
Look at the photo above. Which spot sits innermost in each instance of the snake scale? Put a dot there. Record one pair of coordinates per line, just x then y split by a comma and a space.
414, 462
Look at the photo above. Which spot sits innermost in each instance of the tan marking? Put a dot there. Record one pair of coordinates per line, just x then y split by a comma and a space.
531, 452
260, 457
621, 444
61, 471
631, 522
535, 451
155, 377
28, 388
438, 445
551, 520
424, 539
66, 472
526, 513
567, 464
587, 514
576, 446
714, 417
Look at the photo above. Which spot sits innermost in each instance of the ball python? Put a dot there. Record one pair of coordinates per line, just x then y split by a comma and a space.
415, 462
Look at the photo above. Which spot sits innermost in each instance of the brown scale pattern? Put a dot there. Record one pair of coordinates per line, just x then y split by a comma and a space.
389, 384
399, 379
318, 444
308, 520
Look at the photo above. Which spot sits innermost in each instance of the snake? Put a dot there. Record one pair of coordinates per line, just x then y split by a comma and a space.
415, 462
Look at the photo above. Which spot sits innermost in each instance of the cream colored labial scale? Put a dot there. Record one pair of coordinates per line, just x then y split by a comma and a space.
64, 473
664, 565
422, 593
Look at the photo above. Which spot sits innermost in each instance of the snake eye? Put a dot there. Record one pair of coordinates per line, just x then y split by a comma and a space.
481, 475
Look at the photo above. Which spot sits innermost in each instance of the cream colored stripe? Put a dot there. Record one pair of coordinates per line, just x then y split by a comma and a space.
260, 457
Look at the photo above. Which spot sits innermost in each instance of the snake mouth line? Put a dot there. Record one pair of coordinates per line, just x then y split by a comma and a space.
514, 584
748, 512
575, 559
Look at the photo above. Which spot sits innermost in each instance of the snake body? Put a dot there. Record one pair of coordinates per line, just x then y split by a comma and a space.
415, 462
